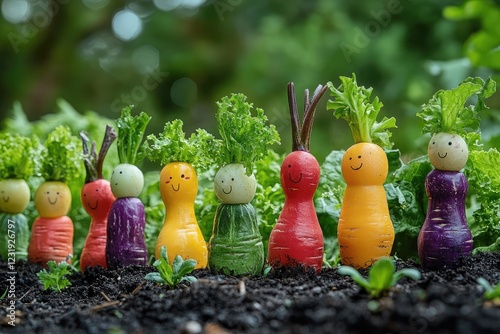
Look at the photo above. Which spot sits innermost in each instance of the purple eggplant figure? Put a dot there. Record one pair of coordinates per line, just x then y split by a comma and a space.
445, 236
125, 244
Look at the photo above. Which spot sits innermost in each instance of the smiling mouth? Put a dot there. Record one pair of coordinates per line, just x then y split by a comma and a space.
444, 156
290, 177
52, 203
6, 199
230, 189
178, 187
358, 167
93, 207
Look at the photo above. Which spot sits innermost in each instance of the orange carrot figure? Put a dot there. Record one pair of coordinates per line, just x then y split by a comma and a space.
180, 233
365, 232
52, 232
97, 199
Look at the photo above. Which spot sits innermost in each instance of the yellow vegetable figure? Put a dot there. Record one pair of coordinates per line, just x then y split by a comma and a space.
365, 232
180, 233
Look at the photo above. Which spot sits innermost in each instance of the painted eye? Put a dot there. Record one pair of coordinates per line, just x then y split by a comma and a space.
232, 179
48, 192
359, 157
289, 166
84, 195
121, 172
170, 178
182, 175
449, 143
57, 193
97, 190
433, 142
350, 158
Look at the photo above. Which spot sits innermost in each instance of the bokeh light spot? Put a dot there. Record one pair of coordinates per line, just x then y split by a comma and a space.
127, 25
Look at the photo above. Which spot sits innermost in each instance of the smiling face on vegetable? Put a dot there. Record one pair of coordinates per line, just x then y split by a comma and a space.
364, 164
14, 195
178, 182
300, 174
126, 181
233, 185
52, 199
448, 152
97, 198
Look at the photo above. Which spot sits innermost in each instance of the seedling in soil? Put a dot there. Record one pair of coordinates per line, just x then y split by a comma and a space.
490, 292
55, 277
172, 274
381, 277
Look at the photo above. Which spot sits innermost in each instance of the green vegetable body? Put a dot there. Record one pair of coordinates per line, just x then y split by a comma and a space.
14, 238
236, 245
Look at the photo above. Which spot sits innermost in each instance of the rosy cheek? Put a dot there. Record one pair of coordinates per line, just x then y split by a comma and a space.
167, 182
187, 178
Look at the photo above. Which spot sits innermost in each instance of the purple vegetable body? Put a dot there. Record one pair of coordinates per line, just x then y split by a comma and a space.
445, 235
125, 244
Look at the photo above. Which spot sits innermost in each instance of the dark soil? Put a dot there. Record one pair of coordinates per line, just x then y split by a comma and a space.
121, 301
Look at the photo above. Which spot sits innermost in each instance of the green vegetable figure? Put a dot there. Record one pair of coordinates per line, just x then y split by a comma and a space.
17, 164
52, 232
445, 236
181, 157
125, 244
236, 245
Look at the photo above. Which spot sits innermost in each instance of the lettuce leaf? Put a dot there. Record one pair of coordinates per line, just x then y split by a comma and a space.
62, 158
446, 110
246, 138
20, 158
172, 146
130, 134
354, 104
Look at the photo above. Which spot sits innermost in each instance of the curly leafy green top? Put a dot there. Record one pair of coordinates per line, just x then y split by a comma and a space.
173, 146
20, 156
353, 104
446, 110
130, 133
246, 138
61, 157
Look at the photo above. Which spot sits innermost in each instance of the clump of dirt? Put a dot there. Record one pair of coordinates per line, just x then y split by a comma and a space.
286, 301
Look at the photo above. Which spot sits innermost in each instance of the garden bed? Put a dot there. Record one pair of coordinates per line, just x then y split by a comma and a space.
121, 301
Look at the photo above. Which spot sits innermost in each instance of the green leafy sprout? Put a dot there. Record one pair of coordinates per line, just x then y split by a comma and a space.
55, 277
61, 157
172, 274
20, 156
172, 146
246, 138
130, 134
446, 110
490, 292
354, 104
381, 277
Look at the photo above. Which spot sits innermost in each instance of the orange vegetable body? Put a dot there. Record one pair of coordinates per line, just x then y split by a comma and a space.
365, 231
51, 239
180, 232
52, 232
97, 200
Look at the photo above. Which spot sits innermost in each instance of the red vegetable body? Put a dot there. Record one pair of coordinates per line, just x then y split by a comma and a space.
51, 239
125, 242
445, 235
297, 239
97, 200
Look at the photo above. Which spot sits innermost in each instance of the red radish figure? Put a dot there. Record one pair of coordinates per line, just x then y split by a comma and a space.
297, 238
97, 200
